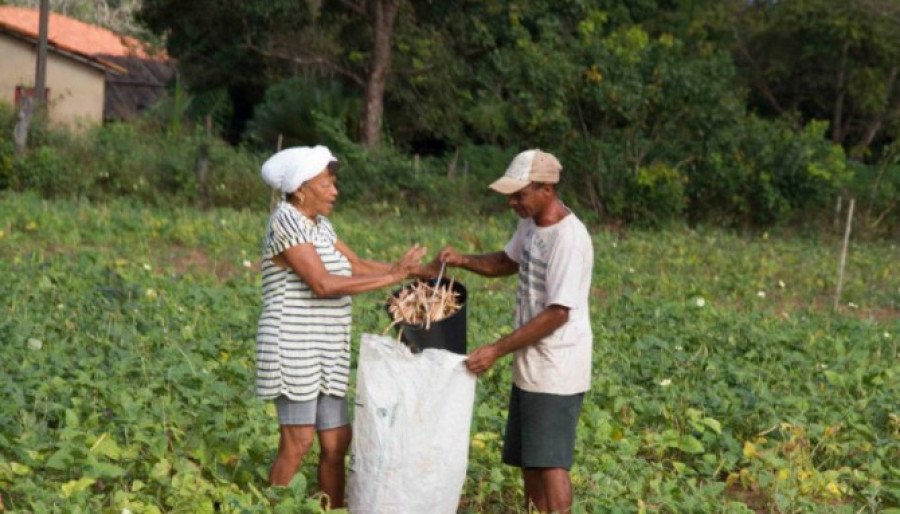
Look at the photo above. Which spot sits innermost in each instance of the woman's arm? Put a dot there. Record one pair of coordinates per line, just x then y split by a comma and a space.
307, 264
370, 267
361, 266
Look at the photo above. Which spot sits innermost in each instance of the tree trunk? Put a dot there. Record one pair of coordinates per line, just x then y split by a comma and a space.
758, 77
385, 12
840, 91
875, 125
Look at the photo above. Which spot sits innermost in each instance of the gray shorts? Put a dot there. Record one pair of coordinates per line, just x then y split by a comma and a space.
325, 412
540, 429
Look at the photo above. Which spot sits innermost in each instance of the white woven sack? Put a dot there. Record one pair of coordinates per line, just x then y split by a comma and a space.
410, 429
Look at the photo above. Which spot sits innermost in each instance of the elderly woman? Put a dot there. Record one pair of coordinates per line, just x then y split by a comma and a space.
303, 339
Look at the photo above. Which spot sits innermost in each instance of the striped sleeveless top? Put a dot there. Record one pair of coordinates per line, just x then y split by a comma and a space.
303, 340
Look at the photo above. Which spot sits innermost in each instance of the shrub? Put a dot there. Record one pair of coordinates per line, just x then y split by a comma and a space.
606, 186
747, 173
234, 179
877, 190
288, 110
386, 175
7, 164
760, 173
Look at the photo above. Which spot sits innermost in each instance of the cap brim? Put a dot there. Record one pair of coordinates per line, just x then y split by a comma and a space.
507, 185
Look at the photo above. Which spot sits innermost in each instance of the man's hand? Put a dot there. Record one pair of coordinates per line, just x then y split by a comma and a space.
429, 270
450, 256
482, 359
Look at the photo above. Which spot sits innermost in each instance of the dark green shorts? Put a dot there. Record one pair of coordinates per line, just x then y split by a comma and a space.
540, 429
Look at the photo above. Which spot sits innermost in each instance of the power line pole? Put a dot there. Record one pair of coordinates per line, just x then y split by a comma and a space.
40, 74
34, 104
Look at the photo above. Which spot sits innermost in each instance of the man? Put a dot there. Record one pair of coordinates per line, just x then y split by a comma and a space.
552, 254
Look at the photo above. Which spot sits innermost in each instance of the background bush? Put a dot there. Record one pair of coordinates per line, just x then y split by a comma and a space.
753, 173
139, 160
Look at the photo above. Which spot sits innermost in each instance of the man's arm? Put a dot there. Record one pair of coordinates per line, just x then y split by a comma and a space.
528, 334
496, 264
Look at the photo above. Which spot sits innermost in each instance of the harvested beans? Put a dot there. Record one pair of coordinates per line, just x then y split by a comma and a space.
422, 304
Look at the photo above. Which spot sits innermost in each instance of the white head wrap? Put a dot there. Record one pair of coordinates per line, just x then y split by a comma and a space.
288, 169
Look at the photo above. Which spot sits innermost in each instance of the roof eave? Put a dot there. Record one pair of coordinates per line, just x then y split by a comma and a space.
90, 60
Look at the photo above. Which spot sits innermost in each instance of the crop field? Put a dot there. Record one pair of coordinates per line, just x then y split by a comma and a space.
723, 380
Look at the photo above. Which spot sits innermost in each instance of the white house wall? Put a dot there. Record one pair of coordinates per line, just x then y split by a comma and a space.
76, 87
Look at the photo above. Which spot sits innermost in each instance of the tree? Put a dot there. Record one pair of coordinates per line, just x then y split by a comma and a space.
384, 14
207, 38
244, 45
818, 59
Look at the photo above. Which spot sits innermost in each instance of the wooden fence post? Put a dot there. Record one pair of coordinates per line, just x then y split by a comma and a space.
837, 213
203, 166
20, 132
451, 168
843, 260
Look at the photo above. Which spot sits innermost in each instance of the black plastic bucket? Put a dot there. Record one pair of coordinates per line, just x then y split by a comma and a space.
446, 334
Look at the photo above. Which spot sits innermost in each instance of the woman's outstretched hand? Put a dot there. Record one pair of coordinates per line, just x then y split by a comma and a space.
409, 263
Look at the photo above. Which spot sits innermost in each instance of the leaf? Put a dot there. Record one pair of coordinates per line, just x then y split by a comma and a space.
834, 378
286, 506
690, 444
60, 460
19, 469
160, 471
749, 450
106, 470
76, 486
616, 434
71, 418
107, 447
298, 485
44, 283
713, 424
669, 438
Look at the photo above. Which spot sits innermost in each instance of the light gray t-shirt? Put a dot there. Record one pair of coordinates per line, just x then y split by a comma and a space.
555, 266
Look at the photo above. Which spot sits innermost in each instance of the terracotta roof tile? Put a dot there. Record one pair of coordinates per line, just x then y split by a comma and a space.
75, 36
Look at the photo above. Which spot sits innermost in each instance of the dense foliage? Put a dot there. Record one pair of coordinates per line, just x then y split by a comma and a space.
660, 110
743, 114
757, 175
723, 382
155, 161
